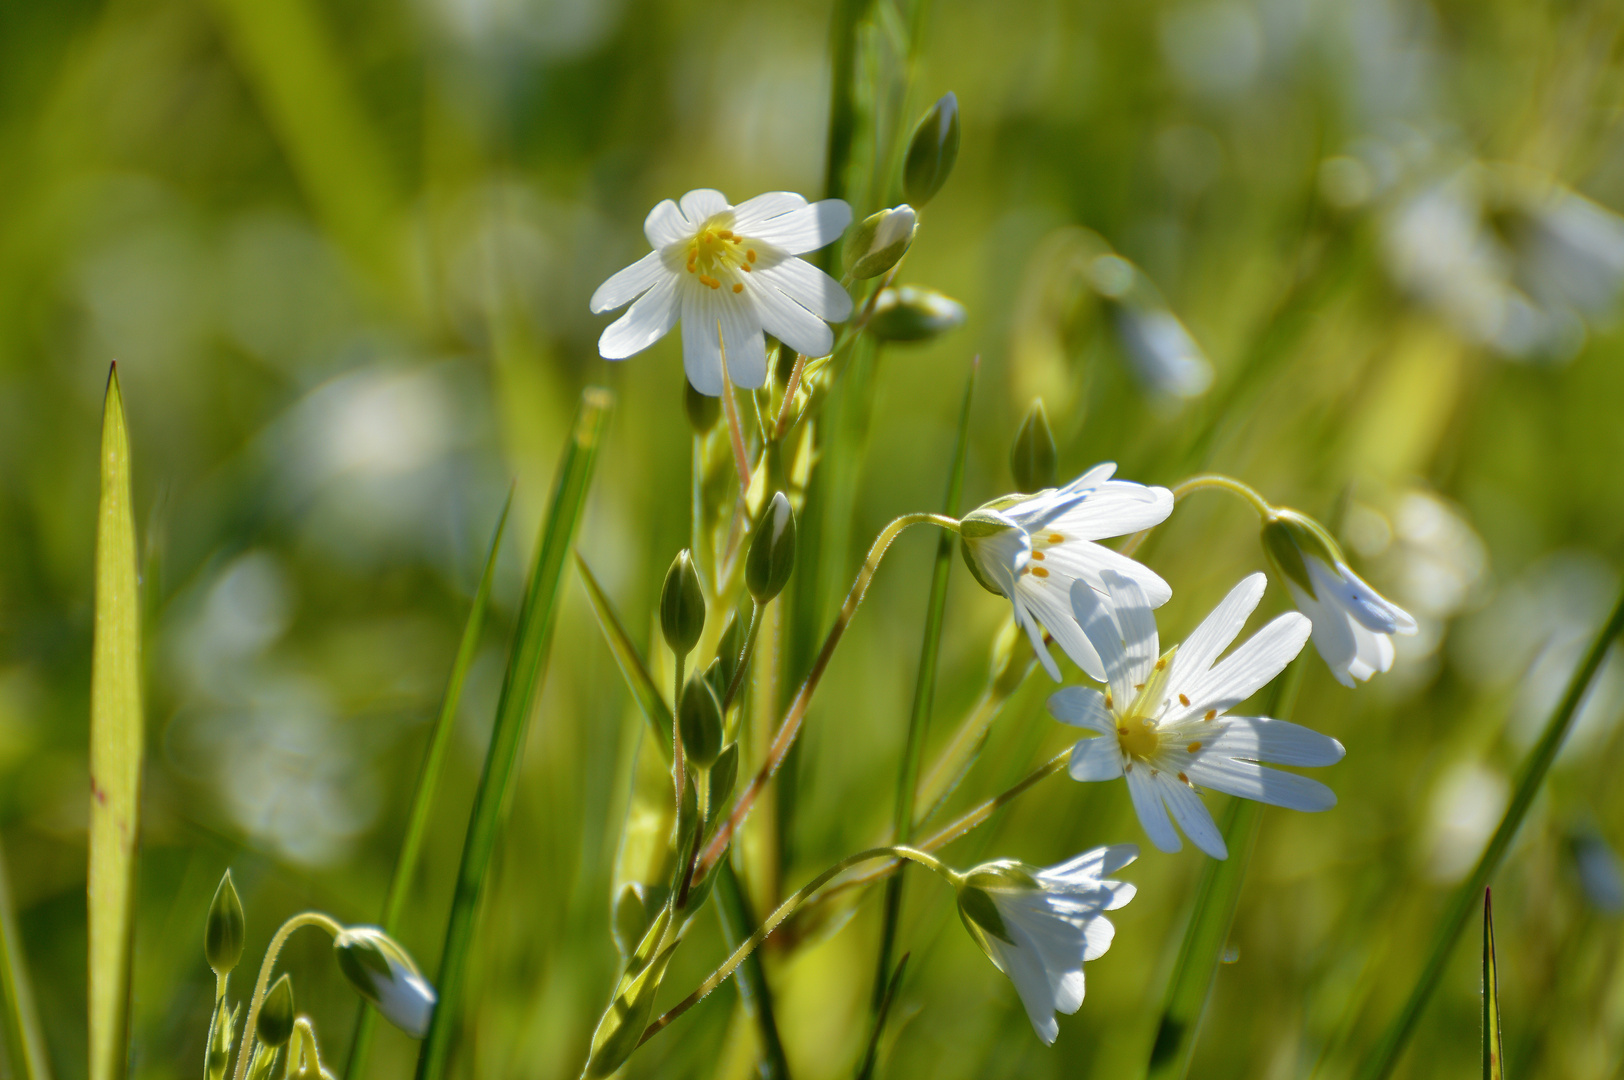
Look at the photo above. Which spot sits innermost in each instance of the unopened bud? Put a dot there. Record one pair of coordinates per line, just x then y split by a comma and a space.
914, 313
275, 1023
1032, 459
383, 973
699, 722
1288, 536
703, 410
932, 151
771, 558
682, 605
223, 928
879, 241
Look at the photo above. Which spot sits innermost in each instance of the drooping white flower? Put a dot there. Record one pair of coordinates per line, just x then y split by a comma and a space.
1353, 623
1031, 548
1162, 722
383, 973
729, 274
1039, 926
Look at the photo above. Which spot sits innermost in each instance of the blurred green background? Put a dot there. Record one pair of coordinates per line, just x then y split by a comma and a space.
342, 252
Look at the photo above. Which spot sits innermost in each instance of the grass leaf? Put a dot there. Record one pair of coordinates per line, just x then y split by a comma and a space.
1493, 1049
25, 1046
428, 781
629, 660
520, 687
115, 748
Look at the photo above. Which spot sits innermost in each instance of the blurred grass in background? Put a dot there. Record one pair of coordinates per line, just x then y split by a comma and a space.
342, 252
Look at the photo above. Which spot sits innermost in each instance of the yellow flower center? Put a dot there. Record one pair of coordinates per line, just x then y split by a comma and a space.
1138, 737
719, 256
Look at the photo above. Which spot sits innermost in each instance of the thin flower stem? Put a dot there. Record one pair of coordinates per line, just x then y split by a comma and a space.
784, 911
679, 764
734, 684
308, 918
1206, 482
791, 725
781, 425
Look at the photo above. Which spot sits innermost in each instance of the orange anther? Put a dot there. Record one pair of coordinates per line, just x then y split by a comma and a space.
738, 286
750, 254
1193, 747
1183, 700
1038, 571
1212, 714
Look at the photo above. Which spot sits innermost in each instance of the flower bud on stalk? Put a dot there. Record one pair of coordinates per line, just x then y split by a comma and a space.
275, 1023
682, 605
1032, 459
223, 929
914, 313
932, 151
699, 721
879, 241
772, 551
382, 972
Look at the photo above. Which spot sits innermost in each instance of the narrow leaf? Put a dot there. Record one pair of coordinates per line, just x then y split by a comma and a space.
25, 1046
1493, 1049
428, 782
520, 687
865, 1071
629, 659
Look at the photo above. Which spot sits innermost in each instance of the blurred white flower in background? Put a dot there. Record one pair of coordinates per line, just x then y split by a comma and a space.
1161, 352
1463, 810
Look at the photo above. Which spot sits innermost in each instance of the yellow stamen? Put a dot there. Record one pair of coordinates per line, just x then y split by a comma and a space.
750, 253
1038, 571
1212, 714
1184, 701
1039, 555
738, 286
1139, 738
1194, 748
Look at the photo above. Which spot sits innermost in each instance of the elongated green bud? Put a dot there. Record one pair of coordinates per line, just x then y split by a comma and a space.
223, 929
682, 605
383, 973
221, 1039
879, 241
1032, 459
772, 551
932, 151
699, 721
703, 411
914, 313
275, 1023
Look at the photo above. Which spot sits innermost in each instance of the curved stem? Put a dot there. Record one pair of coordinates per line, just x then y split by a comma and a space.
307, 918
784, 911
791, 725
1207, 482
734, 684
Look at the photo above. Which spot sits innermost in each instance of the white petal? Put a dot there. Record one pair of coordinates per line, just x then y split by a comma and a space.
1147, 803
1250, 667
1036, 509
1047, 600
1098, 933
1099, 626
741, 334
1192, 815
1034, 633
1264, 785
788, 321
701, 341
628, 284
800, 229
1031, 983
1089, 867
1215, 633
665, 225
1115, 508
702, 203
1089, 561
1137, 622
1342, 588
1261, 738
644, 323
808, 286
752, 212
1374, 652
1082, 707
1333, 634
1099, 758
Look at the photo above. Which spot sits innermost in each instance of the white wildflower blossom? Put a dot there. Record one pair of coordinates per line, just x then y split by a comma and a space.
1161, 722
730, 275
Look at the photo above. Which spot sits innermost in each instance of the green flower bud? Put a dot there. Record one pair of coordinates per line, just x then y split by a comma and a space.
275, 1023
682, 605
223, 928
932, 151
699, 722
1288, 536
703, 411
221, 1037
772, 550
383, 973
879, 241
913, 313
1032, 459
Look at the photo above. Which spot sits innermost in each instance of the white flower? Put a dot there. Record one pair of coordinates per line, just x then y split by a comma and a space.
1031, 548
1353, 623
1163, 722
1039, 926
729, 273
383, 973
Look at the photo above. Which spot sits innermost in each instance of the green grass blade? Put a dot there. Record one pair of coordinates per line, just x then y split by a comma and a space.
1211, 916
1493, 1049
428, 782
115, 749
902, 816
871, 1056
520, 687
1530, 776
737, 924
630, 661
25, 1047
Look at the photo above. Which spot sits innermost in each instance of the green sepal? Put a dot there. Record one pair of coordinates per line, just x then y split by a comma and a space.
980, 914
275, 1023
720, 780
699, 722
1289, 537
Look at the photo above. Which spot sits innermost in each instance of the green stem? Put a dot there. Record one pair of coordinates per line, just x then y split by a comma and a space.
24, 1045
737, 682
1384, 1058
308, 918
733, 910
1207, 482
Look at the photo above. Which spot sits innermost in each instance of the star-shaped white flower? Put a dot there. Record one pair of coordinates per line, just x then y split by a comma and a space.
1032, 548
1162, 722
1039, 926
729, 273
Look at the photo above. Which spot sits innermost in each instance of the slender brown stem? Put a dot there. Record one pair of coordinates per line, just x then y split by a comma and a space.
741, 460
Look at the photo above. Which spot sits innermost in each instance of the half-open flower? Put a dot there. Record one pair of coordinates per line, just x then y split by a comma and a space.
729, 274
1353, 623
1039, 926
1161, 722
1033, 548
